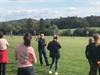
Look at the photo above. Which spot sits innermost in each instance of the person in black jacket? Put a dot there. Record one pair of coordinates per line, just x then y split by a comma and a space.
96, 49
42, 50
93, 55
54, 47
89, 54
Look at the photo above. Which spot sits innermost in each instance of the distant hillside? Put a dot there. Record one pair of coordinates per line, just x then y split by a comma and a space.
64, 22
18, 22
48, 26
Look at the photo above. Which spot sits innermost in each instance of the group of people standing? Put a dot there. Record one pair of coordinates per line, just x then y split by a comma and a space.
93, 54
53, 47
25, 54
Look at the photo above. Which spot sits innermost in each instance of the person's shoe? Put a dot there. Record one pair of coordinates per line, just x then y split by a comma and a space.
50, 72
56, 73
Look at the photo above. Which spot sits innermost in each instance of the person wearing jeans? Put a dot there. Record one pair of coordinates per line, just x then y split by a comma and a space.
26, 71
25, 56
42, 50
56, 64
54, 47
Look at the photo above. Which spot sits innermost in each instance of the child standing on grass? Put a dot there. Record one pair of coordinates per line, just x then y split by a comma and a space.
25, 56
54, 47
3, 54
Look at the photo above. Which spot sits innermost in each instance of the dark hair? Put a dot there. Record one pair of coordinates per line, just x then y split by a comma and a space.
1, 34
91, 40
27, 39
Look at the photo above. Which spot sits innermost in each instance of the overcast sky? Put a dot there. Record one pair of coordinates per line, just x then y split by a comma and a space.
36, 9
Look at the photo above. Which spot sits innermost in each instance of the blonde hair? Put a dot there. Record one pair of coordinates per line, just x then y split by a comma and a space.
96, 38
55, 37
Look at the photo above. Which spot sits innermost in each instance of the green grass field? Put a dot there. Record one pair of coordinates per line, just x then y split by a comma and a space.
96, 28
72, 61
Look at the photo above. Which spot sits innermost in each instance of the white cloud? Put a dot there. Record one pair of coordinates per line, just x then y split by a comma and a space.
37, 14
41, 0
48, 13
30, 0
71, 9
94, 2
18, 10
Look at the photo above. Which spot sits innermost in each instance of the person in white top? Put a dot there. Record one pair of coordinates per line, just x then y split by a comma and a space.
3, 54
25, 56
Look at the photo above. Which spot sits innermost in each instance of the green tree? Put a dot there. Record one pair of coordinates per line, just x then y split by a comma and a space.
30, 26
41, 25
6, 28
66, 33
54, 29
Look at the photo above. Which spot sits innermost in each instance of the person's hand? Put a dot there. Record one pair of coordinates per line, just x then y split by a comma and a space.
46, 44
98, 63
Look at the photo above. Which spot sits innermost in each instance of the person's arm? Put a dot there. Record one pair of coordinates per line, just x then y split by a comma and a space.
7, 44
86, 52
33, 59
48, 47
59, 46
15, 55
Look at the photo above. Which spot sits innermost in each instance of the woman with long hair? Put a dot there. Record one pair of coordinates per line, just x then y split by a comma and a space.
25, 56
93, 55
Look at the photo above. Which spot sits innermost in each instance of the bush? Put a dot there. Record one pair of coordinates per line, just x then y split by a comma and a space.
83, 31
66, 33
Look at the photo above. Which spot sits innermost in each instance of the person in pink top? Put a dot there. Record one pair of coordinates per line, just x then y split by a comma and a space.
25, 56
3, 54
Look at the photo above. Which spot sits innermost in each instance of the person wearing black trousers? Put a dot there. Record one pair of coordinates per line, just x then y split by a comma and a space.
93, 55
42, 50
89, 53
3, 54
54, 47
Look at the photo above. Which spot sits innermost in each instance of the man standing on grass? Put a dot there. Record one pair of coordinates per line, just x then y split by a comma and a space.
42, 50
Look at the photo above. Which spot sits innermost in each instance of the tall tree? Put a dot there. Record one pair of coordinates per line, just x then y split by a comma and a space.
41, 25
31, 26
54, 29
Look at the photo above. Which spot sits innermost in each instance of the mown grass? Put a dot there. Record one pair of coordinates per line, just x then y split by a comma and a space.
96, 28
72, 61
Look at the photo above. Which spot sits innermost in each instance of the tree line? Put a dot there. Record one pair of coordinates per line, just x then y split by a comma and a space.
50, 26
